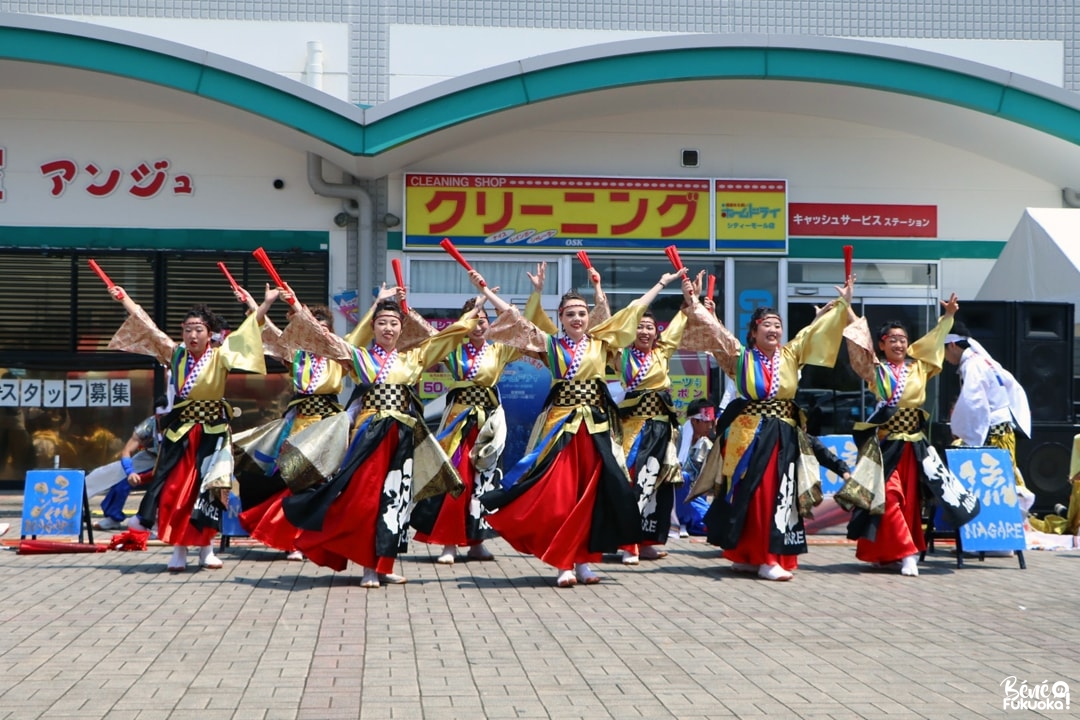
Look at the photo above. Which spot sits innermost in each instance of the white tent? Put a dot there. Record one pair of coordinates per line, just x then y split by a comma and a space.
1041, 261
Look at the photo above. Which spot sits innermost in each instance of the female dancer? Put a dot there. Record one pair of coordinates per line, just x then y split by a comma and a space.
893, 440
473, 433
194, 468
316, 383
362, 513
649, 422
570, 499
757, 518
534, 311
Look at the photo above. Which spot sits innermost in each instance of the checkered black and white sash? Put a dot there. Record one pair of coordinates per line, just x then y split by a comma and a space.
387, 397
572, 393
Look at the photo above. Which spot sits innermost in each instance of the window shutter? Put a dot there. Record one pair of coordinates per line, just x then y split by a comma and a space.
36, 298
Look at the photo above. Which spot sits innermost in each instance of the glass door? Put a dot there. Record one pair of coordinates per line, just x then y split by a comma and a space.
836, 398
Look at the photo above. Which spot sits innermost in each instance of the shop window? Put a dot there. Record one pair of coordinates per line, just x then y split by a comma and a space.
97, 315
626, 279
868, 274
439, 276
55, 325
57, 313
756, 285
36, 301
190, 279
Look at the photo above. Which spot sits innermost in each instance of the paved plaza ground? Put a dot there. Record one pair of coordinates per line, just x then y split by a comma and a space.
111, 635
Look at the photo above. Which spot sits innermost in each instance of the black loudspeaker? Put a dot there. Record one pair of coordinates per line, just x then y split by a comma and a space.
993, 324
1044, 460
1044, 359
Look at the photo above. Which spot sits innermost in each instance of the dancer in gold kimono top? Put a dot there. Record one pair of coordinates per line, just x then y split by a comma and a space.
649, 424
570, 498
473, 434
195, 464
473, 429
316, 382
362, 513
895, 459
762, 495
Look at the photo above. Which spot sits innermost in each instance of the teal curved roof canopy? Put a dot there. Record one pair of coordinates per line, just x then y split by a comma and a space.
371, 132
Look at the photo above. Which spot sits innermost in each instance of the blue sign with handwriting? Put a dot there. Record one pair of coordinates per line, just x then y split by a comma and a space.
988, 473
52, 502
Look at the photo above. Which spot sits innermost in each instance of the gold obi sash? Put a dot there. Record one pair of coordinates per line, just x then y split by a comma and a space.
475, 396
650, 405
211, 412
782, 409
906, 421
387, 397
571, 393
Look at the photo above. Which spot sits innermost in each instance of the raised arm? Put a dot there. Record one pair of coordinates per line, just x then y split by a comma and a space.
705, 333
480, 284
124, 298
533, 308
601, 310
538, 279
819, 342
696, 290
952, 305
598, 291
860, 347
662, 283
270, 296
930, 348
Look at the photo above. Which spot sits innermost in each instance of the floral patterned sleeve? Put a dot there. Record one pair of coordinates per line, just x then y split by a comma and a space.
139, 334
511, 329
600, 313
414, 330
861, 350
705, 333
306, 333
271, 339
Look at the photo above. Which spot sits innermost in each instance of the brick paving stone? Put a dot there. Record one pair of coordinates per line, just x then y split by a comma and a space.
112, 636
